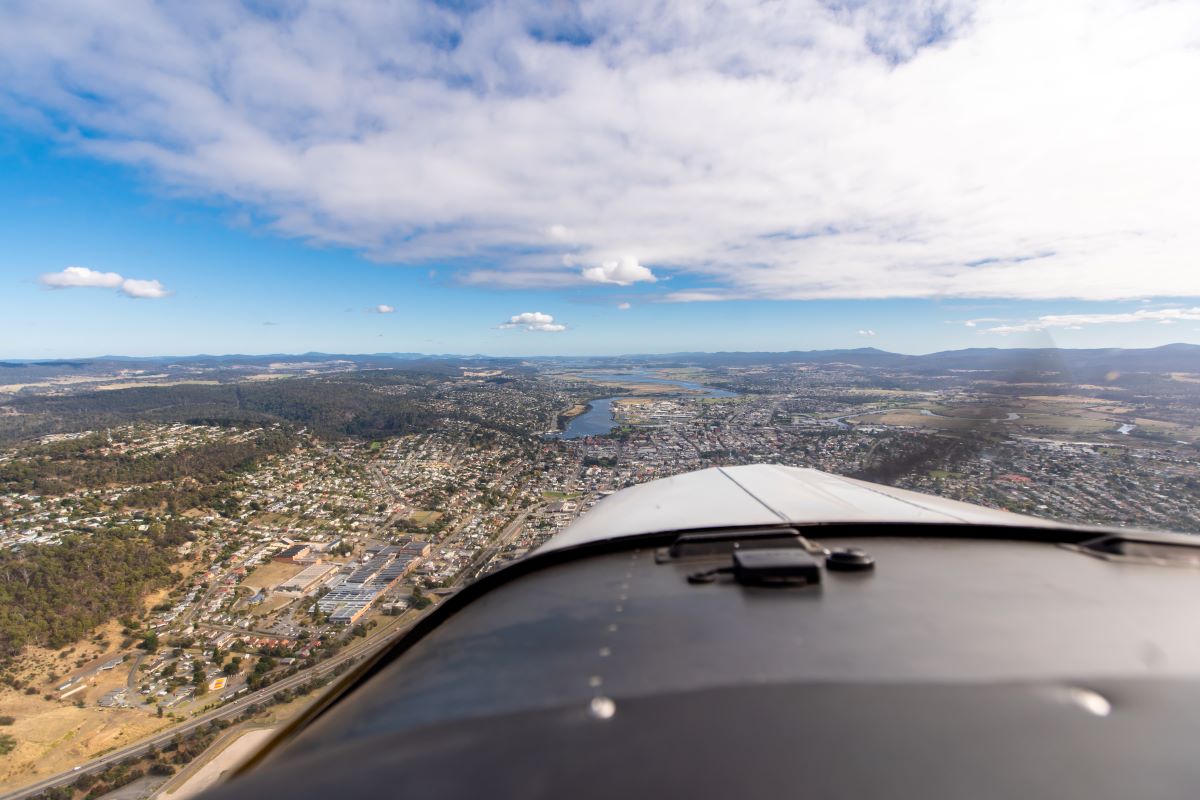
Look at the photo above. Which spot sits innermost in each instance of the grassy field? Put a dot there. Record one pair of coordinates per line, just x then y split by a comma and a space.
269, 518
54, 736
272, 603
939, 474
425, 517
271, 574
1041, 415
915, 419
641, 389
974, 412
1061, 423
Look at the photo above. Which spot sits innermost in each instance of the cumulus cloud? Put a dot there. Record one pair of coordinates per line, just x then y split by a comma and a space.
808, 149
866, 332
82, 277
623, 272
383, 309
534, 321
134, 287
1166, 316
624, 306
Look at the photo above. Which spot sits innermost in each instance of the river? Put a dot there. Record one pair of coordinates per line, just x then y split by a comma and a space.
598, 419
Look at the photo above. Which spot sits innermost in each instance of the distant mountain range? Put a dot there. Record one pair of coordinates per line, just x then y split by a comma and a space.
1167, 358
1079, 364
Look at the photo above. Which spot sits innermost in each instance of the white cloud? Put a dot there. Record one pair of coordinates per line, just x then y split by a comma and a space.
1076, 321
383, 309
134, 287
534, 321
867, 332
809, 149
623, 272
623, 306
82, 277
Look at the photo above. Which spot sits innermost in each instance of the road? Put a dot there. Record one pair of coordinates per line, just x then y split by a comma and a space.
359, 650
487, 554
248, 631
131, 681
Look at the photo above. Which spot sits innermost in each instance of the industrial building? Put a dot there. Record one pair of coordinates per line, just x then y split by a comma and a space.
293, 554
384, 566
416, 549
308, 579
348, 602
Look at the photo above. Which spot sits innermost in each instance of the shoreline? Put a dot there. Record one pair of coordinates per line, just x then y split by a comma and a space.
577, 410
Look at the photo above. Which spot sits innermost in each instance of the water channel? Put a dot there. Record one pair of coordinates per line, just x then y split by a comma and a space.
598, 419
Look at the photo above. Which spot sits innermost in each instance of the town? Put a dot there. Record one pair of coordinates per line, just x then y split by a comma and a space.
287, 553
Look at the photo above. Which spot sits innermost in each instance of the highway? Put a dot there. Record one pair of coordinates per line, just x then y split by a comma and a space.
360, 650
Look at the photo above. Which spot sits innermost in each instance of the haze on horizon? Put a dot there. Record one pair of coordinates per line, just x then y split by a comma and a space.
596, 178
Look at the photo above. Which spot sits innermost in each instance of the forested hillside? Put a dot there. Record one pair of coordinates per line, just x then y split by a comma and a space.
53, 595
64, 466
370, 404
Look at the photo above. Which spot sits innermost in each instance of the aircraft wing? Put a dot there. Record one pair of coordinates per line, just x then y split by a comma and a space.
768, 494
773, 632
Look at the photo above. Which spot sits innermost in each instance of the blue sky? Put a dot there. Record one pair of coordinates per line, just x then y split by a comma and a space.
920, 177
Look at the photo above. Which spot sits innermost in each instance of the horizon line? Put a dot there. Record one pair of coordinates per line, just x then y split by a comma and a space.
411, 355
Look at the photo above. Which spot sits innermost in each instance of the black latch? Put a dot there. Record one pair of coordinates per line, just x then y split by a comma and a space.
706, 544
790, 567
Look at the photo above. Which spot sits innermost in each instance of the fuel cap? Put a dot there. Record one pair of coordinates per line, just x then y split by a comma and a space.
849, 559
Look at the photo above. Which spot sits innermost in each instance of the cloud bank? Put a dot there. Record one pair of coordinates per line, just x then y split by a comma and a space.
82, 277
1163, 316
534, 321
937, 148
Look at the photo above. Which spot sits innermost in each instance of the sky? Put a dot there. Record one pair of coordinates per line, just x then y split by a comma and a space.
594, 178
